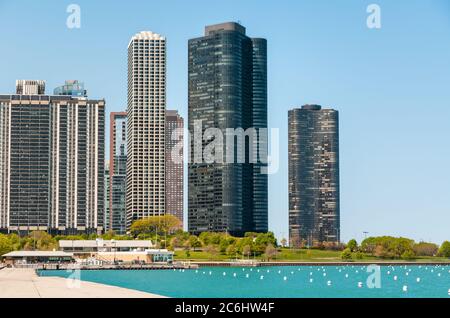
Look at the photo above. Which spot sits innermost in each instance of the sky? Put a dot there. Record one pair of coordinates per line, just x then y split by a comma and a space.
391, 86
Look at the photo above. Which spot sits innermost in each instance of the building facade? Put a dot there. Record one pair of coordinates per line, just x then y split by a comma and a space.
227, 73
314, 214
52, 164
174, 164
146, 126
118, 172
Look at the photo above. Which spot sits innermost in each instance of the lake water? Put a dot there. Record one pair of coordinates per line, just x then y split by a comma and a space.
282, 281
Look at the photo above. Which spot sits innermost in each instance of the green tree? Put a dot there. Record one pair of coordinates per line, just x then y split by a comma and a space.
155, 225
212, 251
246, 250
271, 252
352, 245
346, 254
425, 249
231, 250
444, 250
283, 242
6, 245
195, 242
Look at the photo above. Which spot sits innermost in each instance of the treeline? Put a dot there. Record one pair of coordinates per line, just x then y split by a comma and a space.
388, 247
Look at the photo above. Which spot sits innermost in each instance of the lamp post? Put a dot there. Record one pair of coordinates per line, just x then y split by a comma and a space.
113, 241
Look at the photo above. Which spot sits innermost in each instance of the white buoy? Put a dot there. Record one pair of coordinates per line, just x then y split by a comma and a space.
234, 274
268, 271
439, 274
346, 275
405, 288
279, 272
324, 274
224, 274
389, 272
311, 280
418, 279
395, 277
356, 272
329, 283
292, 273
196, 271
285, 278
407, 274
262, 277
310, 273
360, 284
246, 275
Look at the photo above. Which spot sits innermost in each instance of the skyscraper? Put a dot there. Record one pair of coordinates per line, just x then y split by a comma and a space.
146, 125
174, 167
314, 214
107, 198
52, 163
227, 89
118, 172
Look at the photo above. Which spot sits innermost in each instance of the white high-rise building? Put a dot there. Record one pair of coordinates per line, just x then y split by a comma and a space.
145, 128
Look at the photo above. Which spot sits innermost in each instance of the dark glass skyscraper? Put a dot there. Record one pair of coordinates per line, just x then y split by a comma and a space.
313, 175
227, 89
118, 172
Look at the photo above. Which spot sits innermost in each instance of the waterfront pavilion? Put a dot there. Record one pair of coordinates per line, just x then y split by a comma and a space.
33, 257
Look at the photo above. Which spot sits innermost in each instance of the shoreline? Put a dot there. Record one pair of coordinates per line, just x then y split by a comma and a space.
290, 263
26, 283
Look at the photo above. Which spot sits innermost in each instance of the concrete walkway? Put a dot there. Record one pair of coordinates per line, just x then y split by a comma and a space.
25, 283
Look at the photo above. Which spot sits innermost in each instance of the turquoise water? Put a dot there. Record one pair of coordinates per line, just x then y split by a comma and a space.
282, 281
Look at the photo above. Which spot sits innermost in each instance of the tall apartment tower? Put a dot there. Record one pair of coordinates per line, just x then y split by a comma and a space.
314, 214
174, 164
30, 87
51, 164
227, 89
118, 172
146, 125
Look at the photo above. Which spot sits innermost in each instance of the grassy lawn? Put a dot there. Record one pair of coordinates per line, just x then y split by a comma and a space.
286, 254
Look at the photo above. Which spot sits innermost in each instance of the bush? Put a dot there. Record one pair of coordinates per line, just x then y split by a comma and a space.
358, 256
407, 255
346, 254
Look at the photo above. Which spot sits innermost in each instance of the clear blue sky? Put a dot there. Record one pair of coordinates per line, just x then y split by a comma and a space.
391, 86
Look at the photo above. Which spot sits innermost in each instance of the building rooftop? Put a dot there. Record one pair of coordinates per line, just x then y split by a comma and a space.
37, 254
227, 26
106, 243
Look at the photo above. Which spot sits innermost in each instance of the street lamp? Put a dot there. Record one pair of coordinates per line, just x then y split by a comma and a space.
113, 241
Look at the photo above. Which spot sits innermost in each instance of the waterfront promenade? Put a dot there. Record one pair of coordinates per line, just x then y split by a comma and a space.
25, 283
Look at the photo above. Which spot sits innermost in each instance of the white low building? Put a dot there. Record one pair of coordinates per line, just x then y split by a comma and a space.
100, 245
